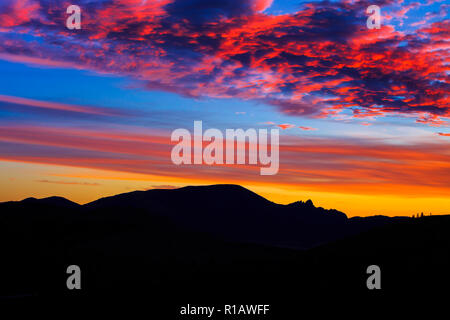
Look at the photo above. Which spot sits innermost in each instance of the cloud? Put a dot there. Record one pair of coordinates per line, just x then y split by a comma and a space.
307, 128
444, 134
261, 5
163, 186
369, 165
54, 106
70, 183
286, 126
203, 11
317, 62
15, 13
105, 141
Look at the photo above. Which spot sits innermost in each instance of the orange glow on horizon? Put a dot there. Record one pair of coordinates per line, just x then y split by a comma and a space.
83, 185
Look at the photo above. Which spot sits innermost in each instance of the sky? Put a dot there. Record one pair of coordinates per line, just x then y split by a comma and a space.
363, 113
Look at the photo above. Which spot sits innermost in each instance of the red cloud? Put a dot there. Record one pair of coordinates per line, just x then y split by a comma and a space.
286, 126
299, 63
16, 13
261, 5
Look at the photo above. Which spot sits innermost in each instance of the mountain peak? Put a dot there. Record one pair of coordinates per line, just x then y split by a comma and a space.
55, 200
301, 204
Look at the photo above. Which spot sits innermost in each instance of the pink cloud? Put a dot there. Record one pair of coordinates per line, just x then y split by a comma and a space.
53, 105
307, 128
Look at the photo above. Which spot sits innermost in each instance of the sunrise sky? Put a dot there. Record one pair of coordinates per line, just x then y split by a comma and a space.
363, 114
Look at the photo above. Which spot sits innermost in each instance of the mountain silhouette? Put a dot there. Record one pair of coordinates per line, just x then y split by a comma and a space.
227, 212
52, 201
231, 212
224, 241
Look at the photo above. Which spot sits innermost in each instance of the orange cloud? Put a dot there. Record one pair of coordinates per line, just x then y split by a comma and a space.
318, 164
70, 183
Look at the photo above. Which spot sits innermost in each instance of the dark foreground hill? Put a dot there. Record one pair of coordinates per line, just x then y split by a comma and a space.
233, 213
214, 244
